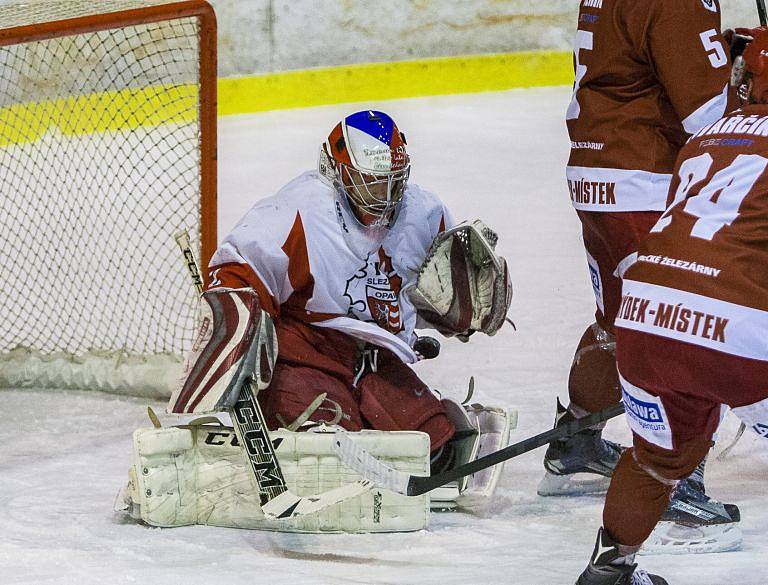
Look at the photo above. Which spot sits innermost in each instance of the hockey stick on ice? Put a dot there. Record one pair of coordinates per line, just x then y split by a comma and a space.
762, 13
357, 458
277, 501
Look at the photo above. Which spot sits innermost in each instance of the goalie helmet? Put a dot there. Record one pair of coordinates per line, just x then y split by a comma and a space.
365, 159
750, 70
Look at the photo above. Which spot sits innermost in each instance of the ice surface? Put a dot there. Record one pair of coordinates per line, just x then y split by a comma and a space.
499, 156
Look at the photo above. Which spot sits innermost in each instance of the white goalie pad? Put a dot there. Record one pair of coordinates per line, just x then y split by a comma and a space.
236, 341
195, 474
492, 427
463, 285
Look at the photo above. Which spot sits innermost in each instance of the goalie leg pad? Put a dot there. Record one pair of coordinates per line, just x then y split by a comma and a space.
236, 340
195, 475
480, 430
494, 425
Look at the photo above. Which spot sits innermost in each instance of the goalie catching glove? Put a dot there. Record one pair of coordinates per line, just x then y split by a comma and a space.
463, 286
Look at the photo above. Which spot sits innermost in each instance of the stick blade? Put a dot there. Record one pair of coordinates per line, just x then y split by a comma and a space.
360, 460
289, 505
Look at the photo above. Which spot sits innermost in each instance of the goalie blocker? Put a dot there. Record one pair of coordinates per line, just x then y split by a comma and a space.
235, 343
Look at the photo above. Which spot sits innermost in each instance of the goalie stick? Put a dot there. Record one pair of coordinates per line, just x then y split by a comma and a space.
277, 501
357, 458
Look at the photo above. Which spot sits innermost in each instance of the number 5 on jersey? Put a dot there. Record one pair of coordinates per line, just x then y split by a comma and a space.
714, 47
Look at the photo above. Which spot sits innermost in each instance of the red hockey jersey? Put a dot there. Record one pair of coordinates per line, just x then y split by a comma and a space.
648, 74
702, 273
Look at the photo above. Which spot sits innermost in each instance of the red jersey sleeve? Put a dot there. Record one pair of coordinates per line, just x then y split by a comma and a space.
690, 57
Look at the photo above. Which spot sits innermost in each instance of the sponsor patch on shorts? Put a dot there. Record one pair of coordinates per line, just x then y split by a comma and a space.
646, 415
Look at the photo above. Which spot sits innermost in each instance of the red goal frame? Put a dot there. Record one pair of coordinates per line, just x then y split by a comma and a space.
206, 17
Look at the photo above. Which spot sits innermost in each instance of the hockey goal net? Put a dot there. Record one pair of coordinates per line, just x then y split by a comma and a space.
107, 150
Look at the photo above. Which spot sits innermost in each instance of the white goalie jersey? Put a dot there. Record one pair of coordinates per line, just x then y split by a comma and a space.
308, 258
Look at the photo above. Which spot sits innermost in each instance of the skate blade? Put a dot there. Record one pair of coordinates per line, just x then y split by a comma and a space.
669, 538
575, 484
443, 499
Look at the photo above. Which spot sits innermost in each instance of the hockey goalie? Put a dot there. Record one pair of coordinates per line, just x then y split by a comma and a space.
316, 296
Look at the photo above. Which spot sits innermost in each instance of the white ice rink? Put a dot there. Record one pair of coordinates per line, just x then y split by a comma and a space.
497, 156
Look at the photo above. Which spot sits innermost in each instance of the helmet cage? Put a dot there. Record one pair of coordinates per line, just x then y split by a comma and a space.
375, 198
368, 168
741, 80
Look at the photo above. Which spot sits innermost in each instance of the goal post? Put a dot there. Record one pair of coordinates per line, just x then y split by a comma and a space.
107, 151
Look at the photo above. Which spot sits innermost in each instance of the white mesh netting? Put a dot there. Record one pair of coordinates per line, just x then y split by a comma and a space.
99, 168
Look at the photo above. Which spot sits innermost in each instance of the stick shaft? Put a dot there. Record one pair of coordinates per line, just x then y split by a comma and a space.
182, 239
421, 485
251, 430
762, 13
247, 416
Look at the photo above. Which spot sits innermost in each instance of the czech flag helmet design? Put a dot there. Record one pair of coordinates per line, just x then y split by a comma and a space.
366, 160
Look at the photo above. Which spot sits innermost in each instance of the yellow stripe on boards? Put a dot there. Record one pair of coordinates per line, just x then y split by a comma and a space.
129, 109
400, 79
98, 112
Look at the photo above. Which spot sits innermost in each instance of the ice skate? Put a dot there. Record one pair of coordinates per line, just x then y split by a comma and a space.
578, 465
608, 566
695, 523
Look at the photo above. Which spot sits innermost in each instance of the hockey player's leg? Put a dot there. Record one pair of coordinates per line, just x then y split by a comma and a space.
696, 523
583, 463
693, 522
312, 379
393, 398
300, 394
638, 496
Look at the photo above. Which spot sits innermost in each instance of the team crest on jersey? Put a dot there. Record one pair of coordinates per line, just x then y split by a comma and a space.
710, 5
374, 293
